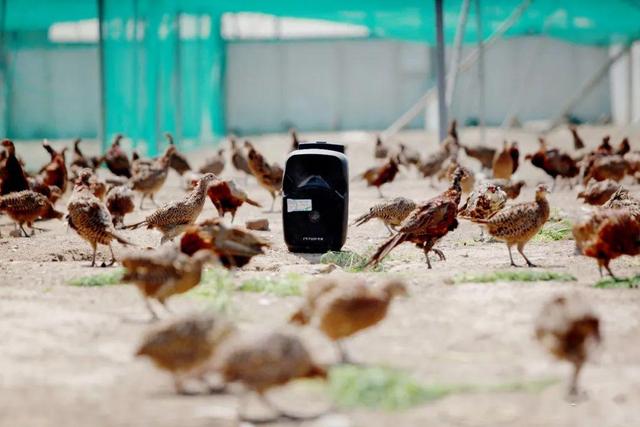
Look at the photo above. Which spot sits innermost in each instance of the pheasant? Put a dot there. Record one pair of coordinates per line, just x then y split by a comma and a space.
55, 172
187, 347
139, 164
227, 197
215, 164
51, 192
268, 176
514, 152
150, 180
483, 202
605, 167
177, 161
267, 361
117, 160
408, 156
12, 175
377, 176
503, 163
569, 329
428, 223
468, 180
295, 142
481, 153
517, 224
624, 147
621, 199
512, 188
173, 218
346, 307
159, 274
89, 217
119, 203
448, 148
390, 212
607, 234
25, 207
234, 245
238, 158
605, 147
380, 151
598, 192
96, 185
578, 143
78, 161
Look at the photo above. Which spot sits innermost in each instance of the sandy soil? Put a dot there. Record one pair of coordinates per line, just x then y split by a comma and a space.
66, 356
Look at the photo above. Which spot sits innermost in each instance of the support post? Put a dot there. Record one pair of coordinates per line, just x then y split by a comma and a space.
587, 87
4, 83
440, 71
481, 73
457, 51
468, 61
102, 135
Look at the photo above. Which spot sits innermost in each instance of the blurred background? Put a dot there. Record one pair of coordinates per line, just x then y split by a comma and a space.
201, 69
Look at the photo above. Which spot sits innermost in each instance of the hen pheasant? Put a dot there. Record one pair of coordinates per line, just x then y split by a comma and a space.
598, 192
391, 212
119, 203
186, 347
159, 274
149, 180
215, 164
25, 207
569, 329
233, 245
268, 176
89, 217
342, 307
517, 224
173, 218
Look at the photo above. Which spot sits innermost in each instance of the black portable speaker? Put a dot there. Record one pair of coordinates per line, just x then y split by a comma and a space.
315, 198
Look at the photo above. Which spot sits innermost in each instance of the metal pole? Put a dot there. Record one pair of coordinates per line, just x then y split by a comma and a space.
587, 87
457, 51
481, 75
468, 61
101, 59
440, 71
4, 83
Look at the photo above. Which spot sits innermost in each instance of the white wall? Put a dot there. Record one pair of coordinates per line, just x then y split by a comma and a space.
367, 84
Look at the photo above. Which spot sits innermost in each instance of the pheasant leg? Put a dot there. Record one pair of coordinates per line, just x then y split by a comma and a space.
142, 200
93, 258
342, 353
388, 229
426, 255
513, 264
380, 193
573, 383
154, 316
113, 257
606, 266
154, 201
440, 254
520, 249
24, 231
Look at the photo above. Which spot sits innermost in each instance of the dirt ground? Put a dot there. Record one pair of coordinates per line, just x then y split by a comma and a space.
66, 353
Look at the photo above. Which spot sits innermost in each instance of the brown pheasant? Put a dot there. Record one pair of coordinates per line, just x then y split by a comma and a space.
605, 167
503, 163
621, 199
215, 164
512, 188
607, 234
12, 175
177, 161
55, 172
264, 362
238, 158
227, 197
377, 176
598, 192
116, 159
148, 181
268, 176
391, 213
119, 203
341, 307
25, 207
89, 217
427, 224
161, 273
578, 143
408, 156
96, 185
517, 224
569, 329
173, 218
481, 153
186, 347
233, 245
483, 202
449, 169
295, 142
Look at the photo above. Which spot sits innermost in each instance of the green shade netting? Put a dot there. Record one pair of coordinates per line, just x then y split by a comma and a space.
159, 77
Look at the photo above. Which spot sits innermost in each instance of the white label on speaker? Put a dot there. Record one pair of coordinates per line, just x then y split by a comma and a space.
299, 205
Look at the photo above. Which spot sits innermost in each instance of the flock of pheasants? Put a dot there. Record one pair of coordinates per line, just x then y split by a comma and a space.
195, 346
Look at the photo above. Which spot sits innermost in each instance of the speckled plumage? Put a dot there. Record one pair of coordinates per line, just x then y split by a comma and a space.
24, 207
233, 245
173, 218
119, 203
598, 192
568, 328
149, 180
269, 176
512, 188
186, 347
159, 274
484, 202
91, 219
391, 212
621, 199
214, 164
517, 224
